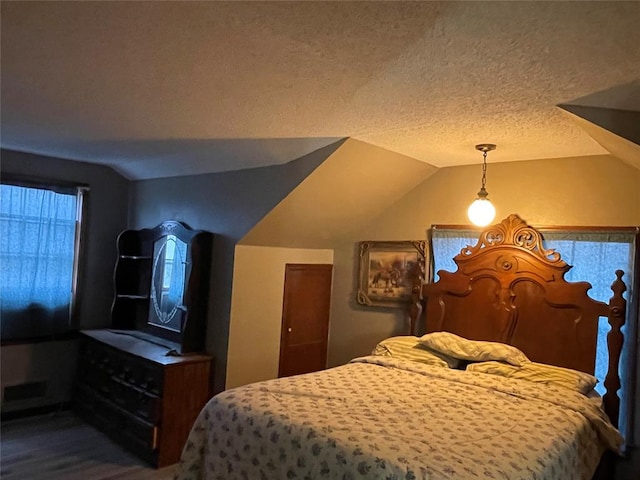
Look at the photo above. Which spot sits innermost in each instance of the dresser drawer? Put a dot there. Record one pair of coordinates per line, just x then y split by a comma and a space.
142, 375
149, 407
110, 418
136, 401
102, 413
144, 433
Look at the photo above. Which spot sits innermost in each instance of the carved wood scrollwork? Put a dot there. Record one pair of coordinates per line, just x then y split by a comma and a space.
513, 231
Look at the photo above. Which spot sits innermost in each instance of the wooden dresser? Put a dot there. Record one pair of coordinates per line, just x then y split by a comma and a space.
133, 388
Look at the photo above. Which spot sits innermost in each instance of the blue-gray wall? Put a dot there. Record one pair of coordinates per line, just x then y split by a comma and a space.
228, 204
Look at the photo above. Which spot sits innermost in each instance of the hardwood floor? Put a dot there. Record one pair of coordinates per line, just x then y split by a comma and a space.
62, 447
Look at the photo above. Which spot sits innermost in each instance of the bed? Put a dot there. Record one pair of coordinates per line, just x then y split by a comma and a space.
461, 396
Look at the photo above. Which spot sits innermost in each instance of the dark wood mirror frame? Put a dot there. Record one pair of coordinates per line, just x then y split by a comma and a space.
133, 306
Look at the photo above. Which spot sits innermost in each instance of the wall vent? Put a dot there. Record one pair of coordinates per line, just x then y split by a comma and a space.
24, 391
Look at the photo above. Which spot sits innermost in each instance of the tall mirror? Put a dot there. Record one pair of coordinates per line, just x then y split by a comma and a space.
168, 282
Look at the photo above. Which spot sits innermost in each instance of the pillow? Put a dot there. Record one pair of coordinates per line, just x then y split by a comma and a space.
595, 398
477, 351
409, 348
540, 373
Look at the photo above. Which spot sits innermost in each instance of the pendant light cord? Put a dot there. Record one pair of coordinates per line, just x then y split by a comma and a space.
484, 169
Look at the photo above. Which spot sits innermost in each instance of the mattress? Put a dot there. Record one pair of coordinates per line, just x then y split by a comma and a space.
387, 418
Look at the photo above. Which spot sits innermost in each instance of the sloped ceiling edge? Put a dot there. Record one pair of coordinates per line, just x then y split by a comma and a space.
617, 131
354, 184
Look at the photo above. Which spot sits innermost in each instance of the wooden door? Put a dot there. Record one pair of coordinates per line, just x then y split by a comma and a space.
305, 318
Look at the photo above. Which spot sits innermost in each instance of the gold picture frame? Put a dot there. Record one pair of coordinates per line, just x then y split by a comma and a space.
386, 269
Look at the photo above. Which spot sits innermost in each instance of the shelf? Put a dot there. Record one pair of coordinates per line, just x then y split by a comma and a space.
133, 297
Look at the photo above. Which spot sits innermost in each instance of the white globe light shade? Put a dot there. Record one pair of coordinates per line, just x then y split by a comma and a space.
481, 212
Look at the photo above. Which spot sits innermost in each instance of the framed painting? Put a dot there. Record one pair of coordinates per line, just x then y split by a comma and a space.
386, 270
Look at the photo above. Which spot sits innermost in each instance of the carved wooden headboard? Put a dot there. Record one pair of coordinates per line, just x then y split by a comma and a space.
509, 289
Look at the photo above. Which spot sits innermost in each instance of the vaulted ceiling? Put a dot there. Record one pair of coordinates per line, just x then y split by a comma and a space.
175, 88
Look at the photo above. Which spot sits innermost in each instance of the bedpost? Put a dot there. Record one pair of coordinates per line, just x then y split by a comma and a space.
415, 307
615, 339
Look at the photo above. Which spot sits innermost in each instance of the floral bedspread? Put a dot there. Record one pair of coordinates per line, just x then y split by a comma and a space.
385, 418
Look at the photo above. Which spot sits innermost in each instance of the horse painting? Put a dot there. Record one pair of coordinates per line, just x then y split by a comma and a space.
384, 271
388, 277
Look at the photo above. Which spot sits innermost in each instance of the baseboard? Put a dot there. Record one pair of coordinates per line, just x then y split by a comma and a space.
31, 412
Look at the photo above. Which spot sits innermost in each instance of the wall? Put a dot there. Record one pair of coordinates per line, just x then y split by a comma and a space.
256, 309
228, 204
353, 184
597, 190
51, 362
106, 218
355, 329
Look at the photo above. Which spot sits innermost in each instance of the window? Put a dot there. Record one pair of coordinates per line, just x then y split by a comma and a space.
595, 255
40, 232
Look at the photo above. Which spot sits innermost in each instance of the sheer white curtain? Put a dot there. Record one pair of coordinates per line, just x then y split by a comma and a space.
595, 255
37, 250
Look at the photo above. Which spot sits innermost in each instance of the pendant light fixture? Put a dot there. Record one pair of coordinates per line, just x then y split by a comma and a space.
481, 212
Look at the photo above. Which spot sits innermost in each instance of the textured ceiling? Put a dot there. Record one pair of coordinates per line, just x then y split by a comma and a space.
173, 88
